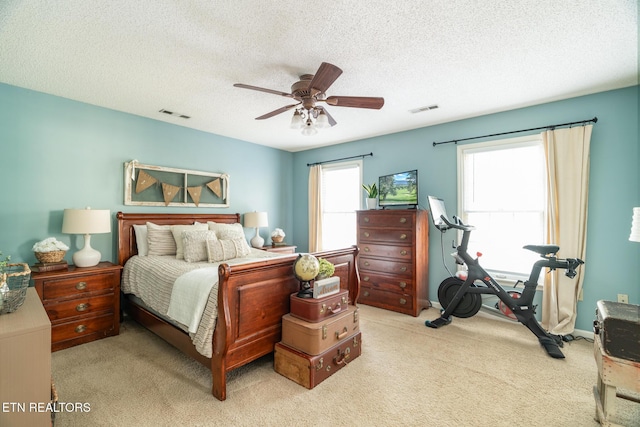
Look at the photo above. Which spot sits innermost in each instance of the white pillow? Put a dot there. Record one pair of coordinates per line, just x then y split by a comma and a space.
177, 236
195, 244
160, 238
141, 239
222, 250
231, 232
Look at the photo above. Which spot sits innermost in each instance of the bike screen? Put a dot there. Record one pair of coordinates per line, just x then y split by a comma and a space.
437, 209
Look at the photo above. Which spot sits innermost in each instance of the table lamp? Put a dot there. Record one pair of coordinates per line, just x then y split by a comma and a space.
86, 221
256, 220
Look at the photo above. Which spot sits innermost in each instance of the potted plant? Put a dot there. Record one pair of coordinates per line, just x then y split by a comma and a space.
372, 195
326, 269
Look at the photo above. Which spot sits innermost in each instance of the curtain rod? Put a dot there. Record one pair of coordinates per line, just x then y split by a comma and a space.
337, 160
594, 120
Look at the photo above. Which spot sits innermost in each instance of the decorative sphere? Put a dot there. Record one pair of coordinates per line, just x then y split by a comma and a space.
306, 267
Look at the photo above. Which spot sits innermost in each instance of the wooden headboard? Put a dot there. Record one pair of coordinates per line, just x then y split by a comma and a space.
127, 237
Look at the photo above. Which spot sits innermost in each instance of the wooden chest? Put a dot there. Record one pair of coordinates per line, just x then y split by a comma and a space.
83, 304
394, 259
618, 326
309, 371
319, 309
314, 338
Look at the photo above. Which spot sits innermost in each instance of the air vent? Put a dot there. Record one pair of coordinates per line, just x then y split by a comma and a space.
171, 113
421, 109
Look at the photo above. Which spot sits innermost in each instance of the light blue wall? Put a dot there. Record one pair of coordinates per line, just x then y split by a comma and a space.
57, 154
614, 181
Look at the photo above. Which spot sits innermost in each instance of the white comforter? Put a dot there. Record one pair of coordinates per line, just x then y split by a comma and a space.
184, 292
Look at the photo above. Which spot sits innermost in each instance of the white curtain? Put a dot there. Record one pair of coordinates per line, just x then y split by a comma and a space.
315, 208
567, 156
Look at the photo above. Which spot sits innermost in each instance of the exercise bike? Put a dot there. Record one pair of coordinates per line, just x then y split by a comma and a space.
463, 298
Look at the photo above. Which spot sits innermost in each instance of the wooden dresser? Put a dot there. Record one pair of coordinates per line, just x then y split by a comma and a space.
25, 365
394, 259
83, 304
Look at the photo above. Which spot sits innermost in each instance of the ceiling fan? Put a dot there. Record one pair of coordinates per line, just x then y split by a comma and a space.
309, 91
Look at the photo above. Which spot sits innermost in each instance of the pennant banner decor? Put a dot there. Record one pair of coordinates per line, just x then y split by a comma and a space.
216, 187
195, 192
169, 192
144, 181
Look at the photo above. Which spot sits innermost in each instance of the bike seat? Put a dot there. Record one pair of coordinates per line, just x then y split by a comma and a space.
543, 249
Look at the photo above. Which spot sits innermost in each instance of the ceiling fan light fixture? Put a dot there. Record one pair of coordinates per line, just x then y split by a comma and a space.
322, 121
309, 128
296, 120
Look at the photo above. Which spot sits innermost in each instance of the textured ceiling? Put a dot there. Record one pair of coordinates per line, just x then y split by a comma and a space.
468, 57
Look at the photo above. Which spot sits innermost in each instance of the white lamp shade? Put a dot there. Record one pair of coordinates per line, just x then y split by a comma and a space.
635, 226
256, 219
86, 221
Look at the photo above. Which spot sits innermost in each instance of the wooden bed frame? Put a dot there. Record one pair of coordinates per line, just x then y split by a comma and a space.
252, 298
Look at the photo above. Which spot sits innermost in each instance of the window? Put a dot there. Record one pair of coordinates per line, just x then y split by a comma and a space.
502, 191
341, 198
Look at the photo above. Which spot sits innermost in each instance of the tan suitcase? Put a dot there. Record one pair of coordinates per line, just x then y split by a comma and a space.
309, 371
316, 338
319, 309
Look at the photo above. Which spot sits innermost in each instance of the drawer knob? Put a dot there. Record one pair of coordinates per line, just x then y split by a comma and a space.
81, 286
403, 236
403, 268
82, 307
366, 249
403, 301
366, 263
403, 220
366, 234
403, 285
366, 219
366, 293
81, 328
403, 252
366, 278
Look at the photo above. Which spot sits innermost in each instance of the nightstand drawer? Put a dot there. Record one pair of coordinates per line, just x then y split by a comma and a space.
101, 325
79, 307
78, 285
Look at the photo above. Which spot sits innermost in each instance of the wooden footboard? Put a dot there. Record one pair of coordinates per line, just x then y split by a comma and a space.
252, 298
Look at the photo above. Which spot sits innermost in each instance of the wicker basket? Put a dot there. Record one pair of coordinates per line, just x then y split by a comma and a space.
277, 239
52, 256
14, 282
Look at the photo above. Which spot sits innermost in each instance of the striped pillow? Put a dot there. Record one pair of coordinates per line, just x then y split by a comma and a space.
160, 239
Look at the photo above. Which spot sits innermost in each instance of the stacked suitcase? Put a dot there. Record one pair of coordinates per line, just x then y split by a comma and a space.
319, 337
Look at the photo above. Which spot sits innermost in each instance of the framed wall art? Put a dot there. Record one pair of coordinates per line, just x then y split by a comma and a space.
149, 185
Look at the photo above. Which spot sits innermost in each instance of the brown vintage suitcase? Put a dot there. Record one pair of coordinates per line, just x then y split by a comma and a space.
309, 371
318, 309
618, 326
316, 338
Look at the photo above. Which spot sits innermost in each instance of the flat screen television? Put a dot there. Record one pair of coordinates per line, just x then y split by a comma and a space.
398, 189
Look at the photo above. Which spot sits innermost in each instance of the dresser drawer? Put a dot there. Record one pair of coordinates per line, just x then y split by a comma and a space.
387, 251
385, 235
385, 299
386, 219
403, 269
387, 283
101, 325
80, 307
73, 286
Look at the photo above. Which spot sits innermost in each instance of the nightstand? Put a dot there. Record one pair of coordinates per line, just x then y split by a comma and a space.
83, 303
283, 249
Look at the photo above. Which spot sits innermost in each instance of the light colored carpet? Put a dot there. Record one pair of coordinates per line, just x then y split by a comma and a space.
481, 371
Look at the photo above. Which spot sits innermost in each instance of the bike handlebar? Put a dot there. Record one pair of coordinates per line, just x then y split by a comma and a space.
459, 225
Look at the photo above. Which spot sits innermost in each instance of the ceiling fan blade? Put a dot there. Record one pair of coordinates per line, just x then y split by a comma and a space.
356, 102
323, 78
332, 121
278, 111
261, 89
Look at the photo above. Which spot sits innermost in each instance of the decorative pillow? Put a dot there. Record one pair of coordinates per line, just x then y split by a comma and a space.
222, 250
177, 236
141, 239
231, 232
243, 247
195, 244
160, 238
